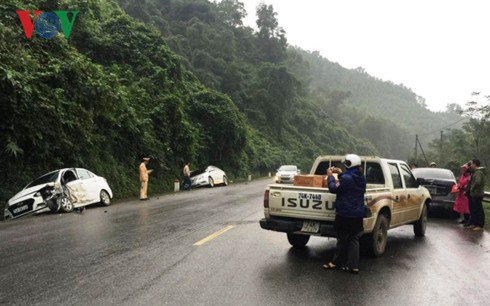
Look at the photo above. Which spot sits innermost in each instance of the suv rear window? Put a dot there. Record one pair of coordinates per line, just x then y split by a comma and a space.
433, 173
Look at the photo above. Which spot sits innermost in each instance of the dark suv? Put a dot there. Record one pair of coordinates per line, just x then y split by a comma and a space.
439, 182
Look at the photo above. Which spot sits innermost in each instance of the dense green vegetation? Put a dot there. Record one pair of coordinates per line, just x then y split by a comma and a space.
368, 108
182, 79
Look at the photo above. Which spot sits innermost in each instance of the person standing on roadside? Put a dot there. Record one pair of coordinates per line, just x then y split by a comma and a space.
144, 179
187, 176
475, 192
461, 204
349, 213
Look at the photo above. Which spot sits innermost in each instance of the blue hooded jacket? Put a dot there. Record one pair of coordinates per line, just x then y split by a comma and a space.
350, 193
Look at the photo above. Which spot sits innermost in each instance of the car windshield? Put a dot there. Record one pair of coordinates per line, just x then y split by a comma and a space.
197, 172
433, 173
288, 168
47, 178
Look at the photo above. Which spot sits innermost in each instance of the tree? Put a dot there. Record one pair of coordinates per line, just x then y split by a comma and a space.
275, 90
271, 38
454, 108
478, 126
231, 12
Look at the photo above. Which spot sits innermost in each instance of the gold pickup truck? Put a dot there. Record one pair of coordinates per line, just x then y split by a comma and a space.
393, 198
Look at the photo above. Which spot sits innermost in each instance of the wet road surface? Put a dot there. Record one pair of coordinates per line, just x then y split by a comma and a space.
163, 252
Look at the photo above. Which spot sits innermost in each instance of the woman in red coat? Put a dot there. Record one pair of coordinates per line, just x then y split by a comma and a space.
461, 203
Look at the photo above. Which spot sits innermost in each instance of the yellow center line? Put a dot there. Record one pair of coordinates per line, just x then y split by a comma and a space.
216, 234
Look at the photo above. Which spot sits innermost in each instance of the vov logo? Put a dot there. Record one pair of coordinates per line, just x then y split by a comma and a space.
47, 24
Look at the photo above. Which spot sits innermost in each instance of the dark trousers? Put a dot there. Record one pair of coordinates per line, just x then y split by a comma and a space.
186, 183
476, 211
347, 249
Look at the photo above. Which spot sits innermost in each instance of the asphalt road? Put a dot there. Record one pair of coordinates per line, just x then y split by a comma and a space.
145, 253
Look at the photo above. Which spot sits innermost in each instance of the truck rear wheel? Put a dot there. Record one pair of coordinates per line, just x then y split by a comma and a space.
421, 224
297, 240
376, 241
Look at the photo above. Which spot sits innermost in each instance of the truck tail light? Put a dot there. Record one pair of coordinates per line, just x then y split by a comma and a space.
266, 199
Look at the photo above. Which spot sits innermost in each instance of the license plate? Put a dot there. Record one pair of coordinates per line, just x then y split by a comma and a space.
310, 196
432, 189
310, 227
441, 191
20, 209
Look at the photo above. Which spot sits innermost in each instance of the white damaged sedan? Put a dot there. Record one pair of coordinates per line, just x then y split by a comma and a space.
210, 176
63, 189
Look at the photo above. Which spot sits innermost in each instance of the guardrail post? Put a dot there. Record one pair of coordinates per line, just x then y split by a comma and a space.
486, 197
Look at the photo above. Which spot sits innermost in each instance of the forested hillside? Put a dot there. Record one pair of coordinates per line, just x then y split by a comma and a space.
184, 80
115, 92
109, 95
225, 55
371, 95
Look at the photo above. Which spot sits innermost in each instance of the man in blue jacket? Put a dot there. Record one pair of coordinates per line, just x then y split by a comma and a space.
350, 210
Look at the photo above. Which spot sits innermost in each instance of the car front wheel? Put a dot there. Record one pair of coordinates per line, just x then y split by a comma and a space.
65, 204
105, 199
211, 182
53, 205
225, 180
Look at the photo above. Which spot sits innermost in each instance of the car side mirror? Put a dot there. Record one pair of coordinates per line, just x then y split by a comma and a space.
420, 181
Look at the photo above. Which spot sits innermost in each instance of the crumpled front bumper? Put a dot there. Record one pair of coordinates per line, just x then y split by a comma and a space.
24, 207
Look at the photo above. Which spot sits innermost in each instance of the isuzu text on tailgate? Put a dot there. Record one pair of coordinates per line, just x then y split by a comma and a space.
306, 200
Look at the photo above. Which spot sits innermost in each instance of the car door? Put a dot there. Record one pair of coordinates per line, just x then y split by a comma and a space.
74, 187
91, 184
400, 206
413, 193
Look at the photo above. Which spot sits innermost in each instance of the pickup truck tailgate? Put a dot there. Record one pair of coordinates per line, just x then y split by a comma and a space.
301, 202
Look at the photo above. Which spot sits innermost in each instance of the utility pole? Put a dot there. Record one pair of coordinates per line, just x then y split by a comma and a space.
423, 153
440, 159
416, 143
